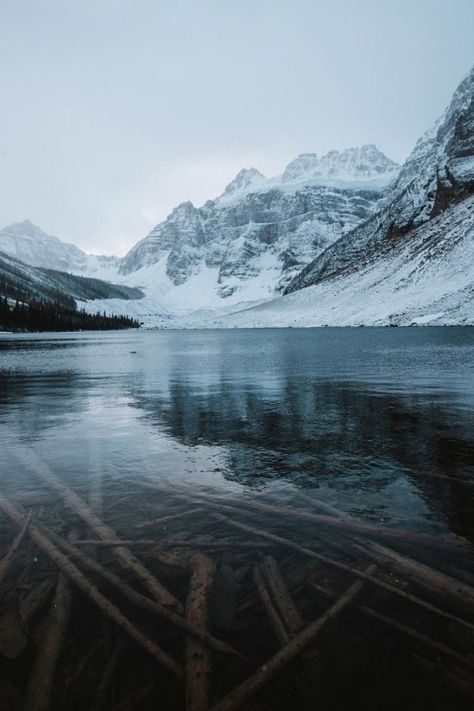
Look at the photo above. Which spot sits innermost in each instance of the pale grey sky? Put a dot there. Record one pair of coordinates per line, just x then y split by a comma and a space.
114, 111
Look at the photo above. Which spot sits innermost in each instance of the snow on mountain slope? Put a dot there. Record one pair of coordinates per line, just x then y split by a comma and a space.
413, 260
352, 164
438, 173
391, 245
22, 281
426, 279
251, 241
236, 250
28, 243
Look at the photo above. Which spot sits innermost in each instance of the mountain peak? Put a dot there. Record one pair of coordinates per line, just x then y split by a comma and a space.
303, 165
25, 228
245, 178
352, 163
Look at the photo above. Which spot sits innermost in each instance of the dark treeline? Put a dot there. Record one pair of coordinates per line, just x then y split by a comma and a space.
37, 315
17, 287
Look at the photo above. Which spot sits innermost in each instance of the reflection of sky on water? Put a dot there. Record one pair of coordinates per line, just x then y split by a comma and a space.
362, 418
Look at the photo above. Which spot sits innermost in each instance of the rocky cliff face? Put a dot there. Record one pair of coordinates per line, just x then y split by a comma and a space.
438, 173
261, 232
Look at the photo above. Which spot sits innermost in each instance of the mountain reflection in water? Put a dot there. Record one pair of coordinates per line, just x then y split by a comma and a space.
378, 422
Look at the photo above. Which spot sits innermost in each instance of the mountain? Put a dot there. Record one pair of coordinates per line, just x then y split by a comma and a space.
243, 247
353, 163
20, 281
438, 173
28, 243
348, 238
250, 242
413, 260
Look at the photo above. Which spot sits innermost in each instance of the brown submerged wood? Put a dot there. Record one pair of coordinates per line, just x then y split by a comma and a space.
341, 522
106, 533
89, 589
40, 688
198, 658
244, 691
420, 637
347, 568
7, 559
145, 603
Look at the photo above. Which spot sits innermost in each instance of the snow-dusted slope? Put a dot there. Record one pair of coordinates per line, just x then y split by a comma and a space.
427, 279
252, 240
241, 248
22, 281
411, 262
391, 245
28, 243
438, 172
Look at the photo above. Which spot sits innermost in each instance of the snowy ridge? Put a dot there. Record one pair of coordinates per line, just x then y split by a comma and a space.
348, 165
438, 172
244, 181
349, 238
22, 281
28, 243
360, 168
426, 280
250, 242
241, 248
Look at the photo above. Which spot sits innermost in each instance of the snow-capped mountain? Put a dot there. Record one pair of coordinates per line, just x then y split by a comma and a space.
28, 243
353, 163
439, 172
428, 279
345, 239
247, 244
411, 262
245, 179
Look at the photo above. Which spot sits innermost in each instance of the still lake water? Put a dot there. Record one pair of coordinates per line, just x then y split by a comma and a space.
378, 422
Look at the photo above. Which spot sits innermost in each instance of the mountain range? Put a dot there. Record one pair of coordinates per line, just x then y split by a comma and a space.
348, 238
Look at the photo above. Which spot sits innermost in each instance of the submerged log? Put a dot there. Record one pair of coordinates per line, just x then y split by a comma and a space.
166, 519
277, 624
294, 623
116, 543
35, 599
15, 623
106, 533
8, 557
242, 693
287, 622
347, 568
281, 595
89, 589
341, 522
437, 647
13, 638
41, 682
142, 601
460, 594
198, 661
109, 672
216, 545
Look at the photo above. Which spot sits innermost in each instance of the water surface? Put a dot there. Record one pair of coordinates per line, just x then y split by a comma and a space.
378, 422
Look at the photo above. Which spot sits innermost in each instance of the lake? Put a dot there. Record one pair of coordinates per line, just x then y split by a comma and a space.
375, 424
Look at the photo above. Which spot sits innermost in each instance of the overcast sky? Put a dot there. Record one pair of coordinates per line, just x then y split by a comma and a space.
114, 111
